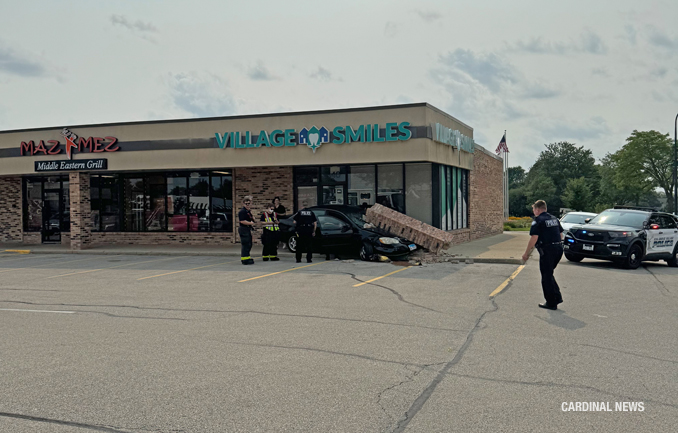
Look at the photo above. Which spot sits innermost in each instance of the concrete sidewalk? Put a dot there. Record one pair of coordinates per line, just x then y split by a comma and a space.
506, 248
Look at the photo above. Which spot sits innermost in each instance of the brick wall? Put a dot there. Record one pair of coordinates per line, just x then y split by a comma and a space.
263, 183
11, 222
81, 210
161, 238
486, 195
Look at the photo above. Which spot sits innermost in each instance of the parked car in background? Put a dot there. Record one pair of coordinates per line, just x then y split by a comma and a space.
625, 236
574, 218
343, 230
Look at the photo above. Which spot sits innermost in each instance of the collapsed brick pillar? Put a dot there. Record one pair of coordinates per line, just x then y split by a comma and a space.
81, 210
427, 236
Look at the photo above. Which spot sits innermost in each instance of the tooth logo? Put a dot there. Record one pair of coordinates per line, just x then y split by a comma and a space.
314, 137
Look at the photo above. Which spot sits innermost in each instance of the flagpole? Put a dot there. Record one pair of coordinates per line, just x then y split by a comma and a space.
506, 175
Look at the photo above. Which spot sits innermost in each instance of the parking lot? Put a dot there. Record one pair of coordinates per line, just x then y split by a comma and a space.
203, 344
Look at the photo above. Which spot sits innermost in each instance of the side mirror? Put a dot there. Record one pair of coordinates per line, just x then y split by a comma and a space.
345, 228
587, 220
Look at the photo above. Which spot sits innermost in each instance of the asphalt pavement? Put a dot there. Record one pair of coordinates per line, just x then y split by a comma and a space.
125, 343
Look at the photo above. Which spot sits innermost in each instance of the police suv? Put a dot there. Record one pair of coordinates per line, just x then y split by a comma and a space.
626, 236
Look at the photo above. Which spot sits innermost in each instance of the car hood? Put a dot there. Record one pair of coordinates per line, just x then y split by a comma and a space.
603, 228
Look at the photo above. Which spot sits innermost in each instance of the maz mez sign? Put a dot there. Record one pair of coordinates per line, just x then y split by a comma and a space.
73, 142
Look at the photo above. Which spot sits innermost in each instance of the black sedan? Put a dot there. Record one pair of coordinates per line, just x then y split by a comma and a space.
342, 230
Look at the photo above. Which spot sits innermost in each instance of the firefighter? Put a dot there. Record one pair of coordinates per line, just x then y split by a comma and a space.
269, 236
245, 227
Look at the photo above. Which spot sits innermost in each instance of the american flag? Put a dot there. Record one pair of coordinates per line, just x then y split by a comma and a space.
502, 146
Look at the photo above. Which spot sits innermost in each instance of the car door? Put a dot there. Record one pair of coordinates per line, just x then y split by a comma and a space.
333, 231
669, 230
660, 234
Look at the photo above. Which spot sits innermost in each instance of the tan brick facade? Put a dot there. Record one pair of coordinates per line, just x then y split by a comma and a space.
486, 195
263, 184
11, 222
161, 238
81, 210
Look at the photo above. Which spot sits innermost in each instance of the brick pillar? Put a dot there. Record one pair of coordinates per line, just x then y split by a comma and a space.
81, 210
11, 223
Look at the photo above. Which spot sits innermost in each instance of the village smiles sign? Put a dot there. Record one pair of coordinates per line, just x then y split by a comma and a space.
315, 137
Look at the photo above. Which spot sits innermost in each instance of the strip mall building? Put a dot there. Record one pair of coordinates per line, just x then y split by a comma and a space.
181, 181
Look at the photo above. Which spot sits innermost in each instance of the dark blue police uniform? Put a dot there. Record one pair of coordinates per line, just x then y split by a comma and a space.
305, 219
550, 248
245, 233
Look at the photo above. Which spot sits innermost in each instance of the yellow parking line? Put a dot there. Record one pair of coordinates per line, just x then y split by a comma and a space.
383, 276
281, 272
184, 270
111, 267
54, 263
503, 285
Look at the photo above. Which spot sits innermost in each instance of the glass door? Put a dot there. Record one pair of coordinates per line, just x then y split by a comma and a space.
51, 217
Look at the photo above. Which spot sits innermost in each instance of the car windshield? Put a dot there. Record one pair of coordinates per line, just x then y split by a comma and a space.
356, 218
620, 218
575, 219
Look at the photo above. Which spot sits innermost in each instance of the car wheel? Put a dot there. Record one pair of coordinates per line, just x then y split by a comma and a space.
366, 252
634, 258
573, 258
292, 244
673, 261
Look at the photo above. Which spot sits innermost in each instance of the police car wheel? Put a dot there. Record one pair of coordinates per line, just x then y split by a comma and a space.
573, 258
292, 244
634, 258
673, 261
366, 252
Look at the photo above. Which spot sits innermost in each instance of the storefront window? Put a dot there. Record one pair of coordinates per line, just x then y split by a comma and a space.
33, 205
306, 175
177, 203
361, 183
155, 203
390, 182
221, 214
333, 194
453, 193
198, 188
418, 191
333, 174
308, 194
110, 203
134, 204
65, 206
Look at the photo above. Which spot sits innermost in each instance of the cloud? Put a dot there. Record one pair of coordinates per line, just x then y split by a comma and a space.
555, 130
589, 42
660, 39
323, 74
631, 33
391, 29
259, 72
429, 16
22, 65
202, 95
487, 69
138, 27
602, 72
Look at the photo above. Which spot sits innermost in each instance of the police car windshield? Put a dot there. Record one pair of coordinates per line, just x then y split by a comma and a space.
575, 219
620, 218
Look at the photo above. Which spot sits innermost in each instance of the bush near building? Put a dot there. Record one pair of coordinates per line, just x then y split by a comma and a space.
518, 224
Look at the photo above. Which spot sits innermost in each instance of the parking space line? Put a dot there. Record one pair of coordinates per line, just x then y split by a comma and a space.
184, 270
503, 285
37, 311
281, 272
53, 263
383, 276
111, 267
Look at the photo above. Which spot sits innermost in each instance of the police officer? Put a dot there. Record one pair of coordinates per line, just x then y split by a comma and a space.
546, 235
269, 236
305, 223
245, 231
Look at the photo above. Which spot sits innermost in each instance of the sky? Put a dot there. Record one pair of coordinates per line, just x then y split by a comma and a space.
588, 72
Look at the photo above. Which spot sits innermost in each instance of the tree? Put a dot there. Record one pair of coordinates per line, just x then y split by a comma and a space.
612, 191
561, 162
517, 202
646, 161
516, 177
541, 187
577, 195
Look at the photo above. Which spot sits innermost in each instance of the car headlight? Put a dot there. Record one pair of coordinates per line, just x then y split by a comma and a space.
389, 241
621, 234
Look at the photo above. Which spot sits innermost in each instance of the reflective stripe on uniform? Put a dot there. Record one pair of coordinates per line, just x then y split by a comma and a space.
245, 258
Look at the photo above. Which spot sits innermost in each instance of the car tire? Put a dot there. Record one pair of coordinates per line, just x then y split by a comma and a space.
573, 257
673, 261
366, 252
292, 244
634, 257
